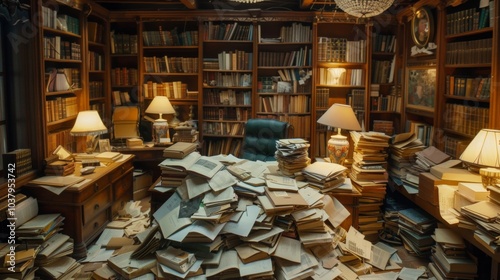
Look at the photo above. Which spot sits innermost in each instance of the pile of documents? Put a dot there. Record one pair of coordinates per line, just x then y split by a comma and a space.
325, 176
292, 155
424, 160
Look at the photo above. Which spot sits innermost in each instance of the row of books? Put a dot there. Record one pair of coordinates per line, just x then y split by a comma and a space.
341, 50
383, 71
466, 119
96, 89
172, 90
301, 57
57, 48
475, 87
386, 103
229, 79
167, 64
61, 108
153, 38
228, 31
17, 162
423, 131
227, 97
294, 33
384, 126
384, 43
293, 104
300, 123
223, 128
454, 146
322, 96
96, 61
470, 19
469, 52
227, 113
55, 19
231, 60
95, 32
341, 77
122, 43
224, 146
121, 98
123, 76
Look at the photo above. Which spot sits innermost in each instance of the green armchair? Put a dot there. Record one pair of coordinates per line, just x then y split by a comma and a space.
259, 140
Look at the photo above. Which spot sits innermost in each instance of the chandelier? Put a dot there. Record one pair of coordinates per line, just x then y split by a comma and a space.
364, 8
248, 1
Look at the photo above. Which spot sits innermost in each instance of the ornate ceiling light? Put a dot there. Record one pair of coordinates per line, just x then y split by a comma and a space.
364, 8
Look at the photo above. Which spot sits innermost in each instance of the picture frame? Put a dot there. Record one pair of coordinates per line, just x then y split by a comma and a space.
420, 93
104, 145
422, 26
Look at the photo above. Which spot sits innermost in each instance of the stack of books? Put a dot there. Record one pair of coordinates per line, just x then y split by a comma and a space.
450, 259
402, 154
108, 157
179, 150
56, 167
185, 133
292, 155
416, 228
19, 263
425, 159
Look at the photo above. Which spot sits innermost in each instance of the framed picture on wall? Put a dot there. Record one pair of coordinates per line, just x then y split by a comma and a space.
104, 145
422, 27
420, 91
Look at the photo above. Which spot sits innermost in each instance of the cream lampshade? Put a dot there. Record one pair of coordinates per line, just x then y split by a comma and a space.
160, 105
88, 123
482, 155
340, 116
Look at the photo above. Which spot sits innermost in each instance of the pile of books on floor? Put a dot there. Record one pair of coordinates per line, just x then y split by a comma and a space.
416, 228
213, 227
450, 258
369, 176
40, 248
178, 158
292, 155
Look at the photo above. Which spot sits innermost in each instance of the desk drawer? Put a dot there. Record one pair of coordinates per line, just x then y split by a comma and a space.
94, 227
96, 205
123, 186
94, 188
127, 166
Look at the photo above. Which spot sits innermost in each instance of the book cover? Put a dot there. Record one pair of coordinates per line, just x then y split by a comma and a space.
176, 259
179, 150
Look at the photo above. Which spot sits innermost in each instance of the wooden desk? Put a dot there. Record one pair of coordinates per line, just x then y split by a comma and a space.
89, 208
146, 158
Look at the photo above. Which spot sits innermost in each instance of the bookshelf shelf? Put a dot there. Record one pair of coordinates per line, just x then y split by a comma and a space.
473, 99
481, 31
471, 65
68, 61
58, 122
53, 31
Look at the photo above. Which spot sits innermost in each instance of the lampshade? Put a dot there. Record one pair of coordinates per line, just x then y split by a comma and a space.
160, 105
484, 150
340, 116
364, 8
88, 123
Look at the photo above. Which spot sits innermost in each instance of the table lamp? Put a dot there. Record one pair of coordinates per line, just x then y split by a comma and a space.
340, 116
89, 123
160, 105
482, 156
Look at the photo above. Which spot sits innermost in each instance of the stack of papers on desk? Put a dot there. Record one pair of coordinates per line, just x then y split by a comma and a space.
292, 155
57, 181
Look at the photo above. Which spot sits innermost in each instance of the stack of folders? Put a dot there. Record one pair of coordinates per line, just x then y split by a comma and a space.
325, 176
416, 228
450, 259
292, 155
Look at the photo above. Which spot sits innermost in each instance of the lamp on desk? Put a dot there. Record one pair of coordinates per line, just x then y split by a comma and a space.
160, 105
89, 123
482, 156
340, 116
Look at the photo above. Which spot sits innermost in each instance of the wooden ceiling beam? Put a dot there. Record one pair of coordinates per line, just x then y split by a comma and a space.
304, 4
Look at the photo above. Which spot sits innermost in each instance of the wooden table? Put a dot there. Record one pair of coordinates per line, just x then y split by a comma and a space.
146, 158
88, 208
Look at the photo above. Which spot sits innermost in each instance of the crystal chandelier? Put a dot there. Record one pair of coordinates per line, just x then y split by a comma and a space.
364, 8
248, 1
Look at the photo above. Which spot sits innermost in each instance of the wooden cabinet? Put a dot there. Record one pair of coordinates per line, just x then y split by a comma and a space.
91, 205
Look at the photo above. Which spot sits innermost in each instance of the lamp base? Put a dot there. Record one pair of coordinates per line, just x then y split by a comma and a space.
338, 148
160, 131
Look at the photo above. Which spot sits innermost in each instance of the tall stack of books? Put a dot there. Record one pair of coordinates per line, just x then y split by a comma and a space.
450, 259
292, 155
369, 176
402, 154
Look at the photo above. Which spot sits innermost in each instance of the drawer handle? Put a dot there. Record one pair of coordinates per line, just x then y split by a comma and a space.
96, 206
123, 169
96, 225
96, 187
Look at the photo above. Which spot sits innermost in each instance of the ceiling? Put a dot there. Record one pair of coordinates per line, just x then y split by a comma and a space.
186, 5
